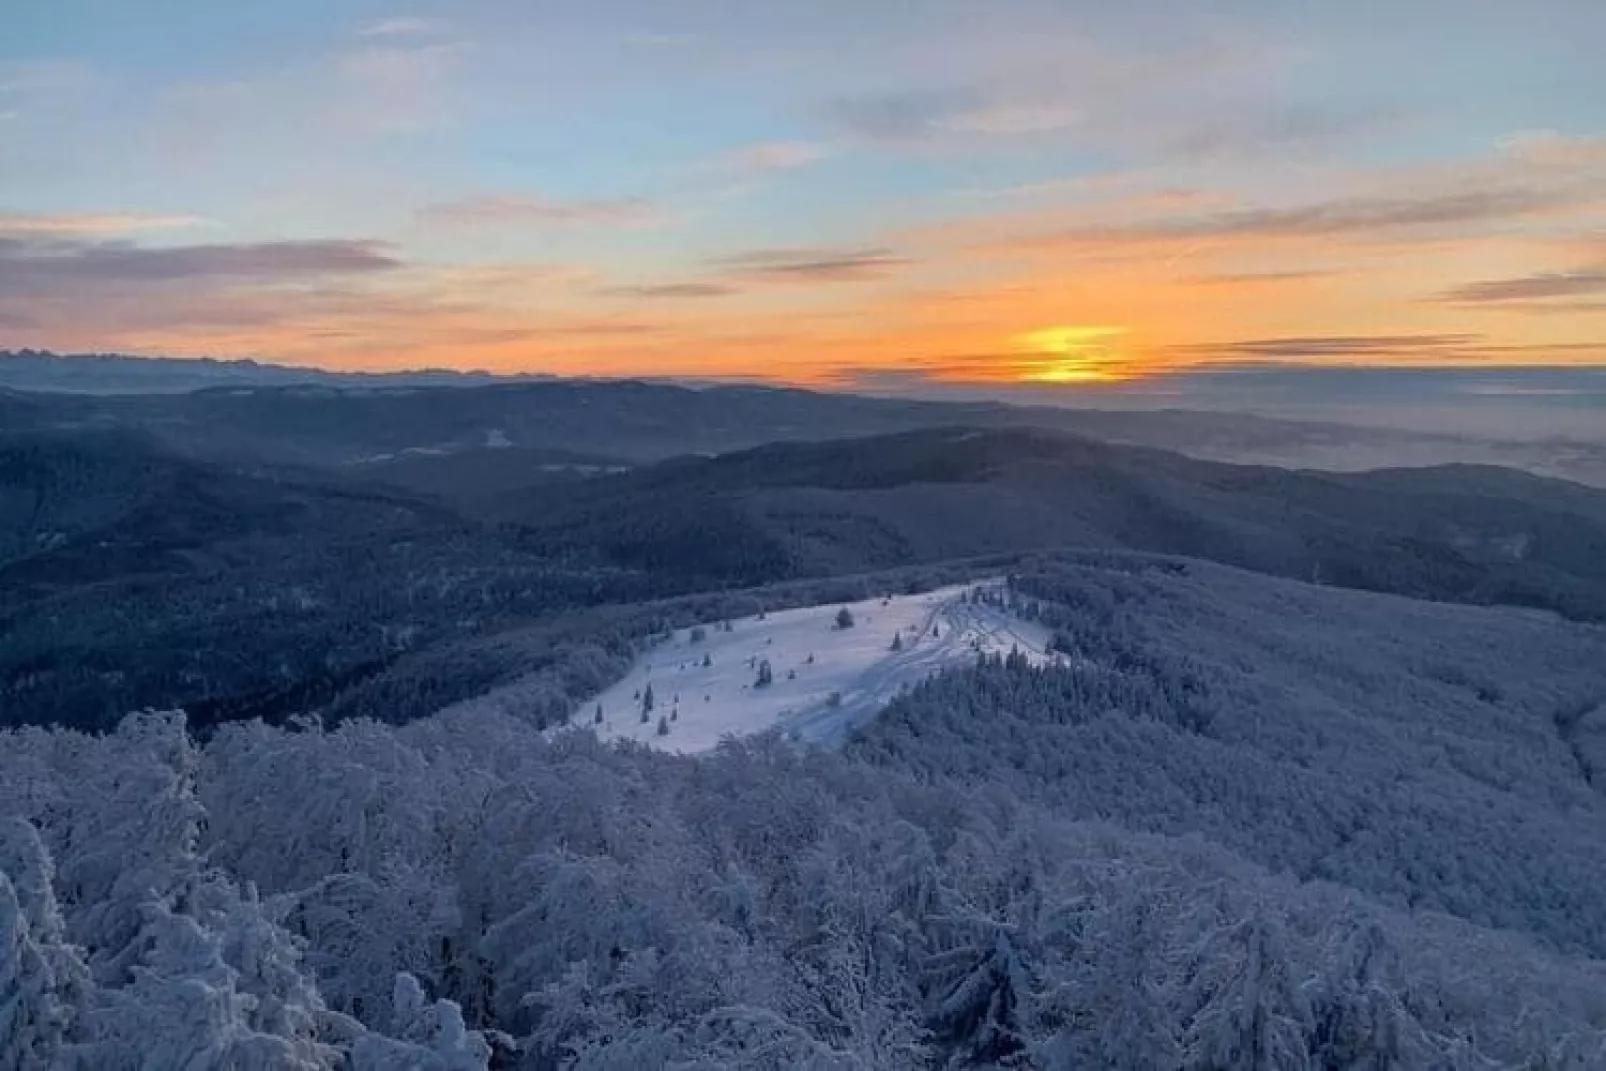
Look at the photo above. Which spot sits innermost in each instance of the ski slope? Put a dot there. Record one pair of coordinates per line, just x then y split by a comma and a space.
825, 679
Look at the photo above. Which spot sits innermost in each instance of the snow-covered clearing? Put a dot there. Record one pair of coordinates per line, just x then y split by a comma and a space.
824, 679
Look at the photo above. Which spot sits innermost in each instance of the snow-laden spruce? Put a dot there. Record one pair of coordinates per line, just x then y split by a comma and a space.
163, 961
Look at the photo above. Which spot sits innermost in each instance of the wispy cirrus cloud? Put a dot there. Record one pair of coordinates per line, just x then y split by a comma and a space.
901, 115
1534, 186
673, 291
1332, 218
1525, 288
1333, 347
89, 223
812, 265
1251, 132
736, 273
911, 116
536, 210
767, 157
403, 26
1263, 278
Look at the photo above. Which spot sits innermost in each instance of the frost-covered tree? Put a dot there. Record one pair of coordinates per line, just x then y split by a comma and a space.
425, 1036
44, 983
974, 982
182, 1008
1246, 1007
1358, 998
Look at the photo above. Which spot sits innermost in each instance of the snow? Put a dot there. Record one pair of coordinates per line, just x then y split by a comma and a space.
857, 664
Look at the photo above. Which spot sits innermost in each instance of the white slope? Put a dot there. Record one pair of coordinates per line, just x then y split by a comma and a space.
825, 679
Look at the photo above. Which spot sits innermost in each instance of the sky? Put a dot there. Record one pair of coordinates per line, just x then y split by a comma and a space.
892, 195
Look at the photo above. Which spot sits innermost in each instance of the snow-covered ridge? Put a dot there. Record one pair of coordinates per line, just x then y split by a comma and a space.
824, 678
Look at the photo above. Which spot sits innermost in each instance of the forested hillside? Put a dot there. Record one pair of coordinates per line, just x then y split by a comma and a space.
1435, 757
131, 577
267, 415
1456, 533
1235, 832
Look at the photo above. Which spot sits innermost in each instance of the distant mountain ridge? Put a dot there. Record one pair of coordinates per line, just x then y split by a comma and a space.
116, 373
245, 412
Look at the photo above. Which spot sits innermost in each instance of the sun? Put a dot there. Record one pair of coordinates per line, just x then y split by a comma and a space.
1071, 354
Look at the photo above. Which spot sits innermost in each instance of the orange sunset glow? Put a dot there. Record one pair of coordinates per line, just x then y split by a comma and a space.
1044, 200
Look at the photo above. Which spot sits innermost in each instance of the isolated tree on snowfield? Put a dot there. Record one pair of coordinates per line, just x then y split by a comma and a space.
844, 618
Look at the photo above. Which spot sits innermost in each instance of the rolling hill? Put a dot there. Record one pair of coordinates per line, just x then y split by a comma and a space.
297, 417
1459, 533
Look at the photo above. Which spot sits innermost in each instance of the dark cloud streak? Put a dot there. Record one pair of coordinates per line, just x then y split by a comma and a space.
1537, 287
1330, 346
674, 291
813, 265
510, 209
29, 265
1252, 131
1347, 216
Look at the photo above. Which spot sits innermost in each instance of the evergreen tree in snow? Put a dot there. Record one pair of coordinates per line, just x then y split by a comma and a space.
182, 1009
1360, 1022
1110, 1010
1246, 1009
425, 1036
146, 853
44, 983
974, 982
